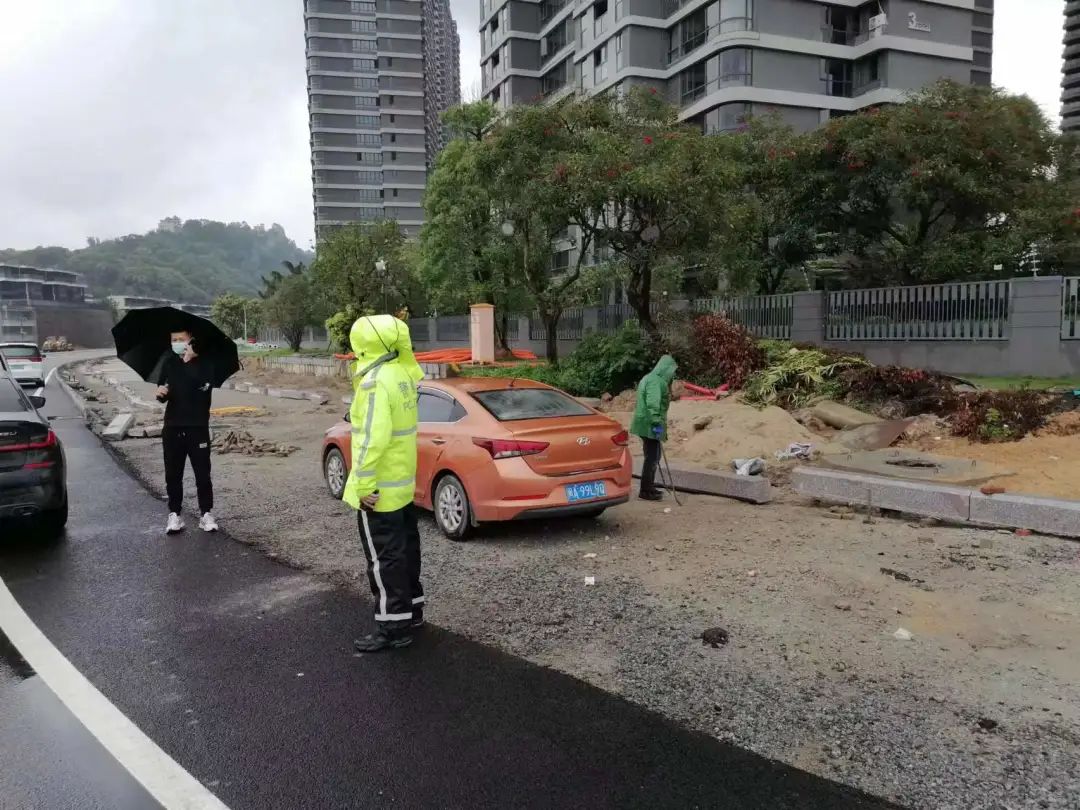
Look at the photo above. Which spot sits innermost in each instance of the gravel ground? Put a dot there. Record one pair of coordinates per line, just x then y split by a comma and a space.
980, 709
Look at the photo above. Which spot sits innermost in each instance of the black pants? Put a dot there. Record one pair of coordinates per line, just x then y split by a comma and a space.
391, 542
649, 465
179, 445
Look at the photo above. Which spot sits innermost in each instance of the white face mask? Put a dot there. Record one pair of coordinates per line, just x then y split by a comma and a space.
179, 347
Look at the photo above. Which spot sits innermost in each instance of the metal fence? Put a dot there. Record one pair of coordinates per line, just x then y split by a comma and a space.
571, 326
420, 329
452, 327
957, 311
1070, 308
765, 316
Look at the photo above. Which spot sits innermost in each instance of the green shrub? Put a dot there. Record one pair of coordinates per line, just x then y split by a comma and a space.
1000, 416
608, 363
710, 349
340, 324
802, 375
600, 364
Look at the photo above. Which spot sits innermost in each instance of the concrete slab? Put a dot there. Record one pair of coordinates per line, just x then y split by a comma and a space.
118, 428
692, 478
915, 466
875, 436
1044, 515
318, 397
841, 416
258, 390
911, 497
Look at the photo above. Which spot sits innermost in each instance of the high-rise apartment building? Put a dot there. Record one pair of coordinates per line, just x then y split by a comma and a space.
380, 74
720, 60
1070, 69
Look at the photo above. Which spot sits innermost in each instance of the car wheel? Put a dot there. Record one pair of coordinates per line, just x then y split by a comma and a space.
335, 473
452, 511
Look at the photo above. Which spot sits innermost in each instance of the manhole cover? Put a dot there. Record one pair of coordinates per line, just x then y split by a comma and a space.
914, 463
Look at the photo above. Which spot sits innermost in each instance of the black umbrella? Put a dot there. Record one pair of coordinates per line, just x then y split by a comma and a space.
144, 340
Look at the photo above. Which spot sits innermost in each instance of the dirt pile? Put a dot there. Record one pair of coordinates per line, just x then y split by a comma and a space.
241, 441
713, 433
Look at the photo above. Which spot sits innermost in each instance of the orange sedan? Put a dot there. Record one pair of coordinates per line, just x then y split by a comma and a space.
504, 449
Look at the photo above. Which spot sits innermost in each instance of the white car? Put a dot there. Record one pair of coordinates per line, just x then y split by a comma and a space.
25, 363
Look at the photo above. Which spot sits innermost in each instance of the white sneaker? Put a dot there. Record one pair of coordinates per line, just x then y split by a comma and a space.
175, 524
207, 523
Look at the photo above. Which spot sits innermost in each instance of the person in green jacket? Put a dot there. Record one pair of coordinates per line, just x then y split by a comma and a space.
650, 421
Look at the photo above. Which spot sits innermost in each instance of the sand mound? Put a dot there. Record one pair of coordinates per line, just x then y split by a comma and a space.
713, 433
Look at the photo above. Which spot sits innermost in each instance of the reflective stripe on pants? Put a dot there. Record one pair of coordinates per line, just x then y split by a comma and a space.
391, 542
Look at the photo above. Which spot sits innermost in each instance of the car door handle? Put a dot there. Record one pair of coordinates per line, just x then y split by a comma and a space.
438, 441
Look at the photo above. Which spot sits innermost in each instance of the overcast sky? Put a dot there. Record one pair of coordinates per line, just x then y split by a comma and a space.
117, 113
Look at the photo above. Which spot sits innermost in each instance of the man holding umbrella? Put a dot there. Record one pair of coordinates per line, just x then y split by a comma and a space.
185, 378
187, 383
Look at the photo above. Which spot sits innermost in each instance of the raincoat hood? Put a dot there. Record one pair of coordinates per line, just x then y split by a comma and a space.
665, 368
379, 339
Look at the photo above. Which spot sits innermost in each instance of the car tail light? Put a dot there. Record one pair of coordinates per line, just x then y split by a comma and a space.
508, 448
48, 442
622, 438
33, 359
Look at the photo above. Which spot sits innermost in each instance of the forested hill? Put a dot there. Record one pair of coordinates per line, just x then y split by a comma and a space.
190, 261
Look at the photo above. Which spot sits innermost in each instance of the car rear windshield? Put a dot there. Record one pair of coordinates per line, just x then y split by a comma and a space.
510, 404
12, 352
11, 399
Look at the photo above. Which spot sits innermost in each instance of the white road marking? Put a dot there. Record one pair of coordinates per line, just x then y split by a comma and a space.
49, 376
161, 776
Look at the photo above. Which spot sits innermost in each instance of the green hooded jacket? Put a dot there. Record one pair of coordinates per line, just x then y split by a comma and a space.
653, 399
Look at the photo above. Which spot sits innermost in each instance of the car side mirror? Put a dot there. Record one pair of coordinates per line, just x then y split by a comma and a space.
347, 417
37, 401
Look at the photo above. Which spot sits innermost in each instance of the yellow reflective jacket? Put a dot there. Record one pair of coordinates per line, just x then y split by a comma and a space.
383, 413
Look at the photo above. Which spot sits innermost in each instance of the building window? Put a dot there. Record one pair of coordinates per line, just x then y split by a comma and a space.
727, 118
600, 64
837, 76
359, 65
620, 51
365, 83
735, 66
393, 118
394, 192
736, 15
620, 9
393, 137
362, 8
367, 121
692, 83
389, 99
393, 156
363, 26
600, 10
367, 102
368, 157
364, 45
368, 140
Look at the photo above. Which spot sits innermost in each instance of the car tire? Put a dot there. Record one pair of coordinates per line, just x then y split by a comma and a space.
335, 473
453, 514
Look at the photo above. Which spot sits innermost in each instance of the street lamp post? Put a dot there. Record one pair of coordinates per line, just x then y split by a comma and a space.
380, 271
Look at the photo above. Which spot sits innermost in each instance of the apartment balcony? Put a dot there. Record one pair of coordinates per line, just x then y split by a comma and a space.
692, 43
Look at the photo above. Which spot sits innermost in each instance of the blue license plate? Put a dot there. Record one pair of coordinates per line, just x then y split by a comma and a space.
585, 492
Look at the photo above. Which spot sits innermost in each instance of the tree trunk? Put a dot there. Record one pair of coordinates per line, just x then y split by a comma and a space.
639, 293
502, 332
551, 326
295, 338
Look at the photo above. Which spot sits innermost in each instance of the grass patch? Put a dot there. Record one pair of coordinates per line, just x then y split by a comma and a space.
287, 352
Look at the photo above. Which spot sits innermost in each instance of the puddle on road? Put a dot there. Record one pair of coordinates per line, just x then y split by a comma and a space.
12, 665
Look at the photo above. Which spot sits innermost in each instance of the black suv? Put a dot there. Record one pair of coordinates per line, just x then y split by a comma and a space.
33, 470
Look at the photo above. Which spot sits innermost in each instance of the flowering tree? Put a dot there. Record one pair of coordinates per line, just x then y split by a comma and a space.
932, 189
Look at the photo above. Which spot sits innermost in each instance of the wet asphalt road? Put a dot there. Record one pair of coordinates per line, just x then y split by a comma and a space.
242, 671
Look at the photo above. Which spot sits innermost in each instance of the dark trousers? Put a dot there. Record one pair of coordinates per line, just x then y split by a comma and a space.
650, 463
391, 542
180, 444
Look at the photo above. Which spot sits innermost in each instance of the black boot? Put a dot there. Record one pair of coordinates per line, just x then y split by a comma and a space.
651, 495
417, 619
381, 640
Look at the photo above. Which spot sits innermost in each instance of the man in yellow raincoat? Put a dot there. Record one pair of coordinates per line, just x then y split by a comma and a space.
383, 476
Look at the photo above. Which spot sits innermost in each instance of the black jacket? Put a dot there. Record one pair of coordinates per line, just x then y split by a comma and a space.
190, 387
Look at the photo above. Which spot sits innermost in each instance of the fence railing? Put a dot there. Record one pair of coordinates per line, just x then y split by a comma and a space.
571, 326
765, 316
1070, 308
420, 329
452, 327
957, 311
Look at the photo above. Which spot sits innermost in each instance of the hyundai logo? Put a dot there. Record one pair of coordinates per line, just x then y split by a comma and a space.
584, 440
